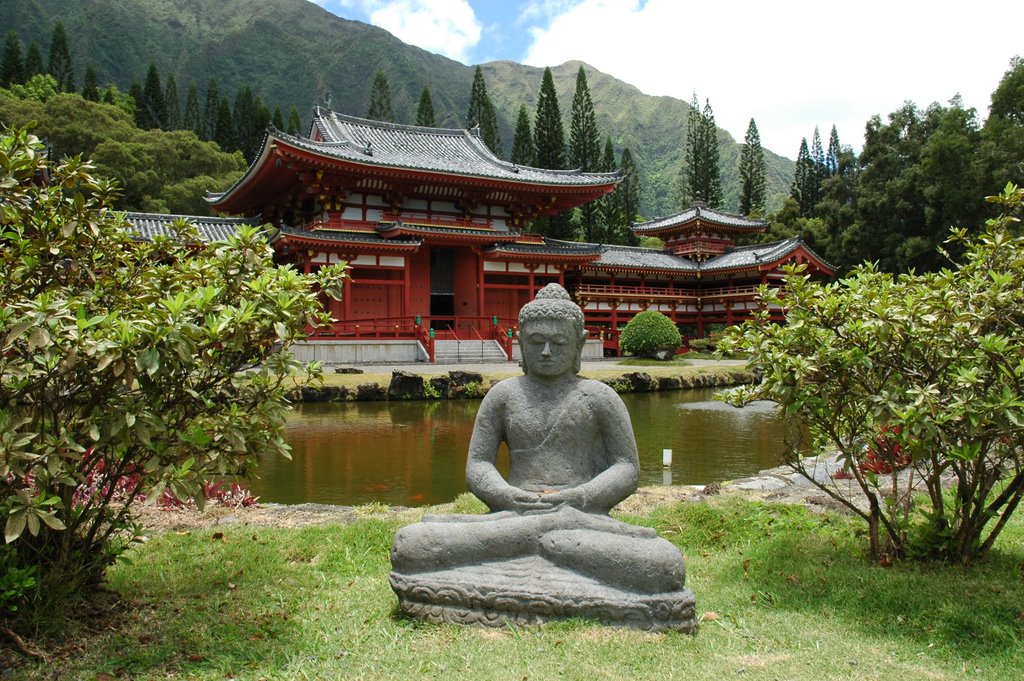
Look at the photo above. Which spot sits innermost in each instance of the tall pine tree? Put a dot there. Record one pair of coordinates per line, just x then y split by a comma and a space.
608, 205
12, 68
278, 120
151, 111
629, 197
522, 143
584, 138
689, 170
33, 61
380, 99
425, 110
172, 106
832, 156
246, 117
294, 123
820, 167
804, 185
481, 113
90, 88
548, 133
223, 133
711, 187
135, 93
752, 172
60, 66
211, 112
193, 119
585, 149
549, 147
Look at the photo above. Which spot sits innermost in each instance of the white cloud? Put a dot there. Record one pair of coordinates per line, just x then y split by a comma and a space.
790, 65
447, 27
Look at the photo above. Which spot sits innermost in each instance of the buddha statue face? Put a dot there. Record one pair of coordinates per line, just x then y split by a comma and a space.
551, 334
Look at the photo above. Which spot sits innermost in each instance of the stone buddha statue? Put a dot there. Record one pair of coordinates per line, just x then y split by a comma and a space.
548, 549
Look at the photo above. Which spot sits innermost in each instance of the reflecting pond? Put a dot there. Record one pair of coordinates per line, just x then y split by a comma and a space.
414, 453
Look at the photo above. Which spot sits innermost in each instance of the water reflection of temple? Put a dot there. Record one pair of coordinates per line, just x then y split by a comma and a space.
436, 231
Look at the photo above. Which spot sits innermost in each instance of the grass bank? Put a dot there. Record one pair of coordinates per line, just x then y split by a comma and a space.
784, 593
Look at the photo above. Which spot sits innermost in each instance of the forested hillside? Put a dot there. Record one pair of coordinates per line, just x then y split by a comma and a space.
294, 53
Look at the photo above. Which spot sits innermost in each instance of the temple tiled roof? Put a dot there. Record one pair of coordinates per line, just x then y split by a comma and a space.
149, 225
743, 257
752, 256
420, 228
426, 149
340, 236
642, 258
702, 212
549, 246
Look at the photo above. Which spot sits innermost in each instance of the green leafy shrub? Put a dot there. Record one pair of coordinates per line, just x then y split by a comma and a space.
15, 582
127, 368
917, 381
650, 334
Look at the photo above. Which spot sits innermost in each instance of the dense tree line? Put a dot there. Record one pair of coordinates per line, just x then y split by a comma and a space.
920, 172
166, 171
155, 104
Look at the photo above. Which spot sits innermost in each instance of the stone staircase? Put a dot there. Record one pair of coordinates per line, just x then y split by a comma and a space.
468, 352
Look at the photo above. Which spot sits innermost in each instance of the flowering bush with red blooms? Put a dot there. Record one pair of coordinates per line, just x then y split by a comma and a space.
882, 457
885, 455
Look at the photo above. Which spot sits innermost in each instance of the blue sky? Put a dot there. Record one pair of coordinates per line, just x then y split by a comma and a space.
789, 64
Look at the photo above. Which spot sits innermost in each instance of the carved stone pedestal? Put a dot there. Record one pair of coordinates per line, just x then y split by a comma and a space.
533, 590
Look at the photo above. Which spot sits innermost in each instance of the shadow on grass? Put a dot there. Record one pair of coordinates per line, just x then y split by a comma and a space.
788, 559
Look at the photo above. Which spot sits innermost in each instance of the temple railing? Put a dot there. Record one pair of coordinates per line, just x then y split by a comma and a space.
593, 291
423, 329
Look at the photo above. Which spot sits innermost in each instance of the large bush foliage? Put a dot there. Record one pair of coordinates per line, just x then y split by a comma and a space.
650, 334
158, 171
920, 376
127, 368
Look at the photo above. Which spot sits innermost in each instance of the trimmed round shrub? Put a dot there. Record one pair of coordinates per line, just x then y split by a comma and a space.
650, 334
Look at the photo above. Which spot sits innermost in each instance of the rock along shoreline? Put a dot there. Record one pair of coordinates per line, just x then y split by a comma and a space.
461, 385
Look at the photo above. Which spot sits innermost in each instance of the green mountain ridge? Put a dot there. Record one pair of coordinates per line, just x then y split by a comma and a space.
293, 52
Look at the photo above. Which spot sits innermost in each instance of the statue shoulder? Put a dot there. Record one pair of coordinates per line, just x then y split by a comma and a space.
600, 395
501, 391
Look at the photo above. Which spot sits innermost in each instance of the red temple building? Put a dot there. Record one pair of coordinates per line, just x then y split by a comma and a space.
434, 229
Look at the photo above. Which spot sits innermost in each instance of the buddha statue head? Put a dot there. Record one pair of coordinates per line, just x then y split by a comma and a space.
551, 333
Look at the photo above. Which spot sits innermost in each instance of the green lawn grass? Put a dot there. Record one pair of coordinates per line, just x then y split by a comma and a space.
791, 593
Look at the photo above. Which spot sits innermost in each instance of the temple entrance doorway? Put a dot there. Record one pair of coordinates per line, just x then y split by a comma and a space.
442, 287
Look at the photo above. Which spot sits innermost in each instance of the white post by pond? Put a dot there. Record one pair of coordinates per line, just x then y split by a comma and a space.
666, 457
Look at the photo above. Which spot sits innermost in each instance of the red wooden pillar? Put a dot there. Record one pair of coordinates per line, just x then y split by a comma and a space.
346, 297
406, 288
481, 298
